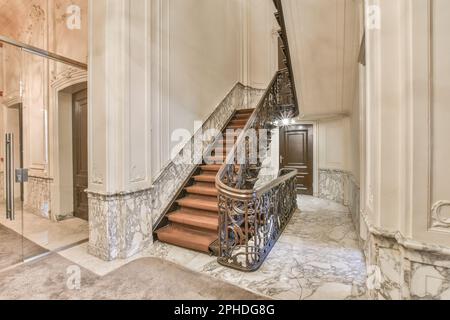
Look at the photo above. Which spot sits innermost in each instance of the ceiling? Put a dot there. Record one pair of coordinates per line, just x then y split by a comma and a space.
324, 39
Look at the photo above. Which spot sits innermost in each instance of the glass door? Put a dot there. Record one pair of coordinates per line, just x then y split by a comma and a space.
11, 157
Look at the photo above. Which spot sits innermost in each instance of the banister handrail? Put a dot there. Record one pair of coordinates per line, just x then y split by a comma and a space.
252, 217
43, 53
282, 21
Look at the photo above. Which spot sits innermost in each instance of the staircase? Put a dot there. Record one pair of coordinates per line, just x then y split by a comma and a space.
194, 221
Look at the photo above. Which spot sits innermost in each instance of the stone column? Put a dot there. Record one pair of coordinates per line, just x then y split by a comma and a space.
119, 128
405, 203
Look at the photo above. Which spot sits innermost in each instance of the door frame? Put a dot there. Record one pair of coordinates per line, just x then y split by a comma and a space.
66, 82
315, 125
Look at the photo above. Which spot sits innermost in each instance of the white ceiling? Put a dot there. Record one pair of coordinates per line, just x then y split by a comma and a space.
324, 38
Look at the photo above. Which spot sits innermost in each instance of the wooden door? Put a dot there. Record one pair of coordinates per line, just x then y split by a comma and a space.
80, 154
297, 151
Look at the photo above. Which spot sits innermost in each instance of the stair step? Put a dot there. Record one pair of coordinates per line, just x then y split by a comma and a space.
205, 178
195, 219
211, 167
199, 202
245, 116
215, 160
203, 190
187, 238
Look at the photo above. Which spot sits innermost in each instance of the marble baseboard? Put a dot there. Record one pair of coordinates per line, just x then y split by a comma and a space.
401, 269
171, 178
37, 196
353, 201
332, 185
120, 225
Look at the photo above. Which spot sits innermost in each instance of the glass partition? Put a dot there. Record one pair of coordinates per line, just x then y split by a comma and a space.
43, 128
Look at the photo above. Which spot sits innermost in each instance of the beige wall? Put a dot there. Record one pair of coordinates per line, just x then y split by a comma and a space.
200, 49
406, 122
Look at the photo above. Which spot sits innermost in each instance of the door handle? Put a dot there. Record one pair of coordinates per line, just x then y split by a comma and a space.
9, 176
281, 159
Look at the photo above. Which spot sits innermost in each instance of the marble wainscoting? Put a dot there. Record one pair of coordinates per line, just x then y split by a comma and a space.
403, 269
120, 225
37, 196
175, 173
342, 187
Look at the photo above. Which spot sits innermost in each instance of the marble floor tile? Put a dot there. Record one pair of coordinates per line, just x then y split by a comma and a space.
45, 233
317, 257
79, 255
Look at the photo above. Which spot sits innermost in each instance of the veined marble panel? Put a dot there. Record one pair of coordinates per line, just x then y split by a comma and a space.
119, 225
332, 184
37, 196
169, 181
400, 268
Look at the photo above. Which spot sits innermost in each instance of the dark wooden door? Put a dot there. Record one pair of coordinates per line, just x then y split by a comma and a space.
80, 154
297, 151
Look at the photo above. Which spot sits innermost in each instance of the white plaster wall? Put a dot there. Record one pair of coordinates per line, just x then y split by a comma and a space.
334, 144
200, 49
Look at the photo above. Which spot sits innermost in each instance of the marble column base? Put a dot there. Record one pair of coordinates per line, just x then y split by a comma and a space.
403, 269
120, 225
2, 186
341, 186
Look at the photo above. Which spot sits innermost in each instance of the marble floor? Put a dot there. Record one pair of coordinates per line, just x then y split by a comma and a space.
317, 257
50, 235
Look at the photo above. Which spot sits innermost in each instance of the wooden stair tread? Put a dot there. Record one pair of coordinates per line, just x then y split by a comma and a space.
205, 178
196, 219
235, 126
199, 202
187, 238
203, 190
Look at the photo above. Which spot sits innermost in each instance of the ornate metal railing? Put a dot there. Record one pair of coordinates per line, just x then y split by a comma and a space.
254, 213
252, 218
